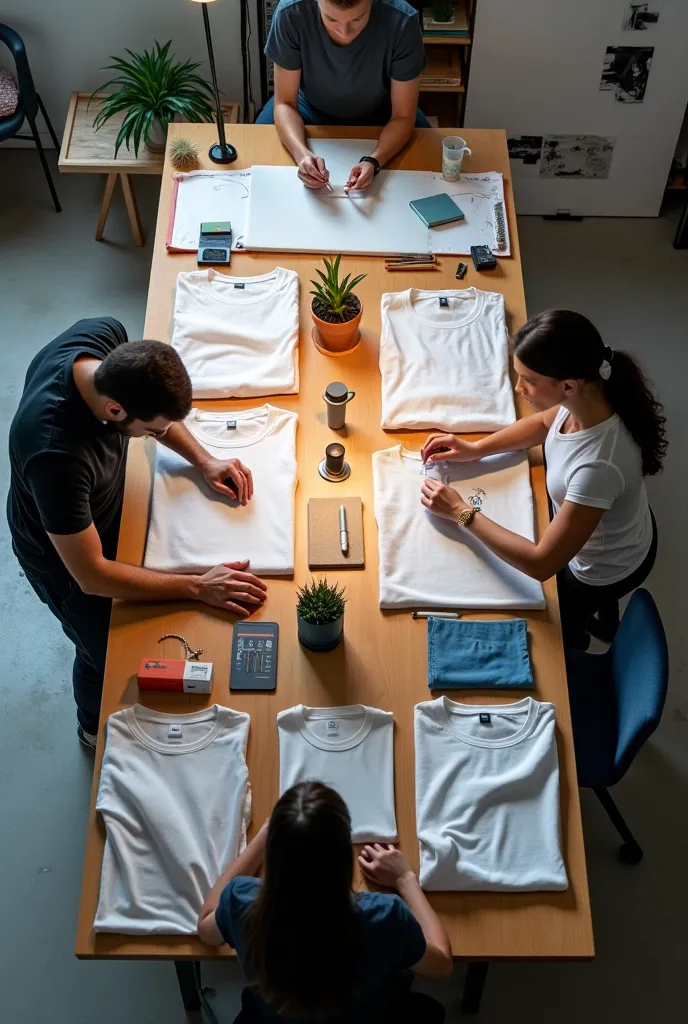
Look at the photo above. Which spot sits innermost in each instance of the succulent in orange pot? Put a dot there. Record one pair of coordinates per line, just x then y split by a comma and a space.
336, 310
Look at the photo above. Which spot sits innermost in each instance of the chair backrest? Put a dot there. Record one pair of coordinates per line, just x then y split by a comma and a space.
27, 90
639, 661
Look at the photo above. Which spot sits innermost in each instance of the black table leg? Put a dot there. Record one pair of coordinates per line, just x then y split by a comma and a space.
473, 986
189, 978
681, 239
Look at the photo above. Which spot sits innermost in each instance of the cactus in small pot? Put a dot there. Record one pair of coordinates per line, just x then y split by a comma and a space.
320, 615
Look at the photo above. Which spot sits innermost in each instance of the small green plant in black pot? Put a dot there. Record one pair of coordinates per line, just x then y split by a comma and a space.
320, 615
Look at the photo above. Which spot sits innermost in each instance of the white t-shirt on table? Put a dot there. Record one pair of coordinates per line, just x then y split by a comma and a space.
350, 749
430, 562
601, 466
176, 801
445, 367
193, 528
487, 796
238, 336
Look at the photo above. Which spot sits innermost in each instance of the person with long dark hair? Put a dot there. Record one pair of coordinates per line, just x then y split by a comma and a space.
603, 431
312, 948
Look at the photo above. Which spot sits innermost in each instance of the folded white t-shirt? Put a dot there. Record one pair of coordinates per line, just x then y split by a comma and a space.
238, 336
487, 796
430, 562
444, 360
350, 749
175, 798
193, 528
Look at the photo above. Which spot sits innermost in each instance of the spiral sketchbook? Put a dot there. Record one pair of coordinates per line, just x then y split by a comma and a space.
207, 195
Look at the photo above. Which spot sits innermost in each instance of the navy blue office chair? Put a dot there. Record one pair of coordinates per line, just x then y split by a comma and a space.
617, 701
29, 105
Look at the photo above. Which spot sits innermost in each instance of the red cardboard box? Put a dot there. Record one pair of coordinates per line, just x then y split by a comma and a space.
177, 675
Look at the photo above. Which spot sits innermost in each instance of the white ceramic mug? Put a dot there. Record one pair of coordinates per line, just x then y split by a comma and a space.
453, 150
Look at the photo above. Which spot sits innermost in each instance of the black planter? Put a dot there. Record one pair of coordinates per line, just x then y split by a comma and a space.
320, 638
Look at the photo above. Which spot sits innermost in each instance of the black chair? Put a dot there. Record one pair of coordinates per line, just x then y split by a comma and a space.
29, 105
617, 701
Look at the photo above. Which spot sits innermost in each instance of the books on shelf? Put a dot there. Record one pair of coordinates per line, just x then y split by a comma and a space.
458, 26
443, 69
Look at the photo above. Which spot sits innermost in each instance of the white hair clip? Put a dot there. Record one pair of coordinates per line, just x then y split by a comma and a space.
605, 369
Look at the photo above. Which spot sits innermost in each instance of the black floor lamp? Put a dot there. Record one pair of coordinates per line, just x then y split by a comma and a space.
222, 152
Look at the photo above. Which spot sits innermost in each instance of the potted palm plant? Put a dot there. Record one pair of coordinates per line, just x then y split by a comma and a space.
320, 615
336, 310
153, 88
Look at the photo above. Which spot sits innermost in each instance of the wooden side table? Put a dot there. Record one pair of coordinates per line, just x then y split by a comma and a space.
86, 151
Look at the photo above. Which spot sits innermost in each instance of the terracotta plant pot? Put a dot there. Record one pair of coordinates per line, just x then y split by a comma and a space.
337, 339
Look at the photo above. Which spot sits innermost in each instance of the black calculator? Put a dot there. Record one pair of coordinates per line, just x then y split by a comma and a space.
483, 258
215, 242
254, 656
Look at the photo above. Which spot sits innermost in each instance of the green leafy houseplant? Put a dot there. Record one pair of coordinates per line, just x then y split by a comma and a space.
442, 11
333, 299
320, 612
152, 88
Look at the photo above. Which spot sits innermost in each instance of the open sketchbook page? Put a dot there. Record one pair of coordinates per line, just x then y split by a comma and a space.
207, 195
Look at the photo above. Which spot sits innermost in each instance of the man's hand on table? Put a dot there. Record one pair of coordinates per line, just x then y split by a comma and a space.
229, 477
360, 177
230, 587
312, 171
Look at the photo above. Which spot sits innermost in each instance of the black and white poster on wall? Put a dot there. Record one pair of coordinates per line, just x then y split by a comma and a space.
527, 148
641, 17
576, 156
625, 72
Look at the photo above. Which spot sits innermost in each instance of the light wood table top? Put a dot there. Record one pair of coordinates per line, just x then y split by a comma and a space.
382, 661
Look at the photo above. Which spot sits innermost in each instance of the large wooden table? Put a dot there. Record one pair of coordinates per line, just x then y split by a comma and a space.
382, 661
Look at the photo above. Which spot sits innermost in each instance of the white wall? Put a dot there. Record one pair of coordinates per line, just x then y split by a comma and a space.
68, 41
535, 70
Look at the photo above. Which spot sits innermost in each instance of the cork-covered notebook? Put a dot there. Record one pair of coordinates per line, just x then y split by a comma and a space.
324, 551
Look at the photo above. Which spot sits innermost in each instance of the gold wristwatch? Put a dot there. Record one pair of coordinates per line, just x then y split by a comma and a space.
466, 516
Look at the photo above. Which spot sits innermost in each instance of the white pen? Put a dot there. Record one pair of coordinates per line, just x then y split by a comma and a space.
343, 533
436, 615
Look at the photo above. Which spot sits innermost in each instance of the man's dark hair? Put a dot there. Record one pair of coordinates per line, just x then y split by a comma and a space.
148, 379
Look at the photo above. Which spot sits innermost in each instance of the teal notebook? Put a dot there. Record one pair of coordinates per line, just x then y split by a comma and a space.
435, 210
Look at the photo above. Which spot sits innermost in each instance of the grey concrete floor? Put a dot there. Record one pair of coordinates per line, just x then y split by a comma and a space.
627, 277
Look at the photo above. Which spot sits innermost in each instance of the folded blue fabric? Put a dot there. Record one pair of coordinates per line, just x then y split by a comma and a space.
462, 654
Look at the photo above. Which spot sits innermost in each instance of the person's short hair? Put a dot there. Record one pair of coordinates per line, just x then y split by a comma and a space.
344, 5
148, 379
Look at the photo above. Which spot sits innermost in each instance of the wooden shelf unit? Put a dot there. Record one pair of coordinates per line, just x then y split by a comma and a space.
447, 101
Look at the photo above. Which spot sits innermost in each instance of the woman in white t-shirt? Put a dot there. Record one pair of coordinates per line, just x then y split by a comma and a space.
603, 432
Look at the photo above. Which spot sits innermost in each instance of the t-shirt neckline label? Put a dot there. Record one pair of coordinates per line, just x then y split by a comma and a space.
137, 713
445, 324
305, 714
449, 710
220, 287
196, 418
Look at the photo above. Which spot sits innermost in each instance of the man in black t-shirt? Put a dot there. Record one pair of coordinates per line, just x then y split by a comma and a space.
84, 395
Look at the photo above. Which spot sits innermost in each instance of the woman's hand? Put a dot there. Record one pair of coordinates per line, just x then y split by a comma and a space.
442, 447
442, 500
383, 864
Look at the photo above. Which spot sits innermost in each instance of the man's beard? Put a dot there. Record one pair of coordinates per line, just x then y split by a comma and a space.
121, 426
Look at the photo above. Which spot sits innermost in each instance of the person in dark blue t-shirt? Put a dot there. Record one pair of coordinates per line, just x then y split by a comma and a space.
311, 947
345, 62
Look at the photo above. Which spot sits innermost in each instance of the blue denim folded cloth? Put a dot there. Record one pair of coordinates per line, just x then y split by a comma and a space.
462, 653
